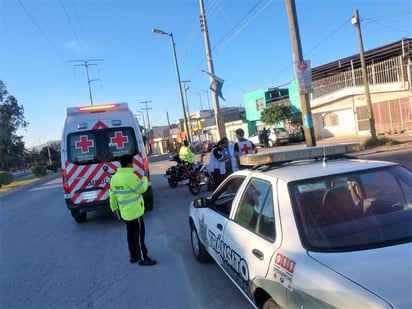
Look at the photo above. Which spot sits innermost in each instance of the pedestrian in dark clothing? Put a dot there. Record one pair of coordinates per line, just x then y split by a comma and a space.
126, 199
265, 137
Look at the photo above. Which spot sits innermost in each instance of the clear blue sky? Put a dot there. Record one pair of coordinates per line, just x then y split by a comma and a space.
250, 42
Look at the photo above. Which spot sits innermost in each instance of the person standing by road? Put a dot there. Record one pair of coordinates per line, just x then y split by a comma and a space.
217, 165
265, 137
243, 147
229, 164
125, 193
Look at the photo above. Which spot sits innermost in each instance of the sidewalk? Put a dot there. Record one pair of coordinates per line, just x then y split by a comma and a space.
402, 140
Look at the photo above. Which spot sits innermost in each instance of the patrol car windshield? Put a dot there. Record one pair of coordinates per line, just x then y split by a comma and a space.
99, 146
349, 212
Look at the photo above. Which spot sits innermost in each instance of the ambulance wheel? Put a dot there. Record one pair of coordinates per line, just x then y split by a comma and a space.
198, 249
79, 217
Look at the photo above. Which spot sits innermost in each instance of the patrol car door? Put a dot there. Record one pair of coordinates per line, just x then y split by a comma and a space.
250, 236
217, 216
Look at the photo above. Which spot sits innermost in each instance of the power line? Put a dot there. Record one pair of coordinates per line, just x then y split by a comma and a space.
41, 31
72, 27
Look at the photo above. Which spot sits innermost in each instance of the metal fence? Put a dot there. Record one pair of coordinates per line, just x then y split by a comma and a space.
387, 71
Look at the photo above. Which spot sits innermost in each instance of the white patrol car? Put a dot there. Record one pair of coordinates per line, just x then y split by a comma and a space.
311, 228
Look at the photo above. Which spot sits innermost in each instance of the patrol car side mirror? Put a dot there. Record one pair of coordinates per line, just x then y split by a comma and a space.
201, 203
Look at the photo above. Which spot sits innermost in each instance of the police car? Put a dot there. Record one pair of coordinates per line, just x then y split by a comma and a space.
311, 228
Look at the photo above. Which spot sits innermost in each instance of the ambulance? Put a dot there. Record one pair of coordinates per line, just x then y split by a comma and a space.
93, 140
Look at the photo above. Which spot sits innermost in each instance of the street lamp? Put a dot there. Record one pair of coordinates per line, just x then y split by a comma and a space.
186, 126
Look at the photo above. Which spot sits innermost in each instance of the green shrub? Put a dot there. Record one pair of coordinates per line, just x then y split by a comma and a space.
384, 141
38, 170
6, 178
53, 167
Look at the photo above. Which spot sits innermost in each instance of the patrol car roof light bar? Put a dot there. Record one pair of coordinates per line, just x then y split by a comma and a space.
297, 154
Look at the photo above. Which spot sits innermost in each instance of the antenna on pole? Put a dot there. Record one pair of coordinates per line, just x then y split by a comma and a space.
86, 64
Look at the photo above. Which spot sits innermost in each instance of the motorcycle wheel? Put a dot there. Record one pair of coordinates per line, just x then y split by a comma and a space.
172, 182
211, 184
194, 186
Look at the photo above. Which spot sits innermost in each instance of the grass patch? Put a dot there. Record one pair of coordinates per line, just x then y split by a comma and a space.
18, 183
378, 142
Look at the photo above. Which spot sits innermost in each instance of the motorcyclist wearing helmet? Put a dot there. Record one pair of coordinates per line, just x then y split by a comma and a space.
185, 153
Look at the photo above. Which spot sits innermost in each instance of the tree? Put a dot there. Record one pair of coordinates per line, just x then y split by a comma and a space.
11, 119
276, 113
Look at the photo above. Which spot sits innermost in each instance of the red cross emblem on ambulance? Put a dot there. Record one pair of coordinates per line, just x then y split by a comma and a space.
119, 139
84, 144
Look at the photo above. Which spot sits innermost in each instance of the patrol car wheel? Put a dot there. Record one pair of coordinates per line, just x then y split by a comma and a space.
199, 250
79, 217
270, 304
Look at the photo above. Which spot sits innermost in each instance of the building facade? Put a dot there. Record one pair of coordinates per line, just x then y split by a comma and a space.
338, 102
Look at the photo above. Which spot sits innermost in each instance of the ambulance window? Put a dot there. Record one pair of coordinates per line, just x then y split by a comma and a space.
101, 146
82, 148
121, 141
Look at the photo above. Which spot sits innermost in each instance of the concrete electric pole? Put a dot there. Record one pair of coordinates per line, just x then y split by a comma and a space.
356, 22
298, 57
147, 116
189, 129
219, 118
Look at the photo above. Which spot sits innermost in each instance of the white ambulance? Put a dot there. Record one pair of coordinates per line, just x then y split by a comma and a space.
93, 140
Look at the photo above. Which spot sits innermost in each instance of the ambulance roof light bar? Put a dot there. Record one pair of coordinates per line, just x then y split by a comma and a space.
297, 154
96, 108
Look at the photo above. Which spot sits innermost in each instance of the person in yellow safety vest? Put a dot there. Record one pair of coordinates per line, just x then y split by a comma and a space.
186, 154
126, 190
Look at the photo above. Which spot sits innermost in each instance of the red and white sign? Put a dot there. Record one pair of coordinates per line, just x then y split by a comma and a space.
303, 75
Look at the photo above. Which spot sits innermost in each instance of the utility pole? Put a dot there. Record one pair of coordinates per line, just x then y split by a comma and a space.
208, 102
189, 129
219, 118
144, 125
356, 22
86, 65
298, 57
147, 116
200, 100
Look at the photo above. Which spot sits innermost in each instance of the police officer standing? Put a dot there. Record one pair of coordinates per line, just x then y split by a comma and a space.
126, 191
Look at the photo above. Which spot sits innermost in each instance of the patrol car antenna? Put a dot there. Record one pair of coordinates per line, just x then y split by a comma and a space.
323, 139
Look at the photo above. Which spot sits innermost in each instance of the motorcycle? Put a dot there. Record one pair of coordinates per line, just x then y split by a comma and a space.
200, 177
179, 172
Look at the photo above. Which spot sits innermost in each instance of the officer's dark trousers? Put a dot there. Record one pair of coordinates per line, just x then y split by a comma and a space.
135, 238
